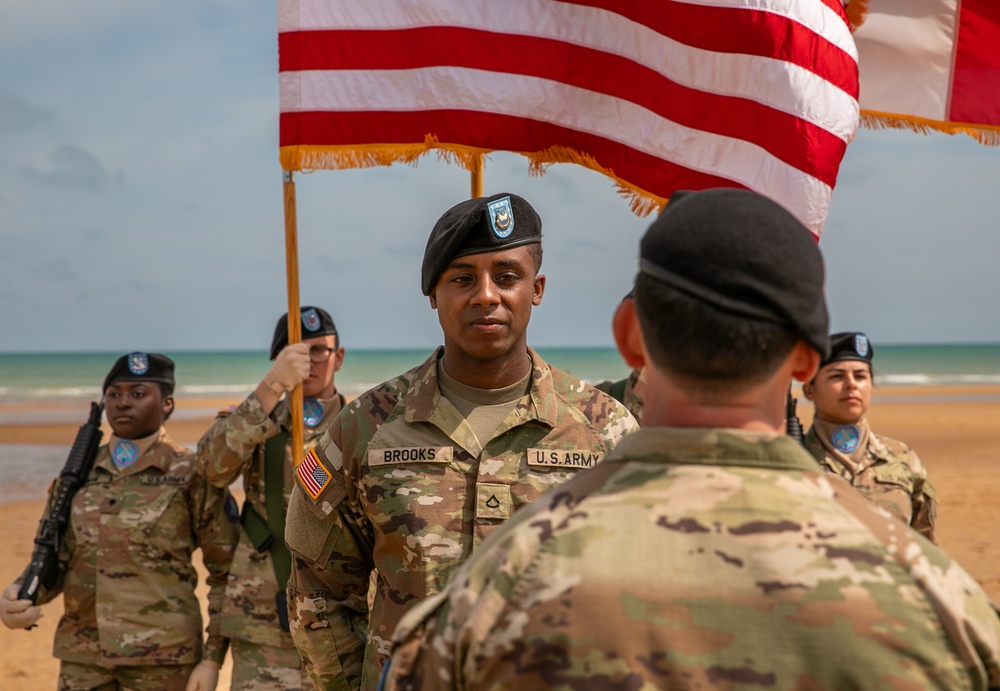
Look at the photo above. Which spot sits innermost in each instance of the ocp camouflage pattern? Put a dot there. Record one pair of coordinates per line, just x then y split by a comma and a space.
125, 564
892, 476
413, 493
703, 559
233, 447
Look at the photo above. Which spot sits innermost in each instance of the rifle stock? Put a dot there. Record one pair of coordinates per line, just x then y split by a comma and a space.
43, 568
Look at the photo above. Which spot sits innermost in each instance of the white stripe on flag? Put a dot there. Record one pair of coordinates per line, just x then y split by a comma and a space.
578, 109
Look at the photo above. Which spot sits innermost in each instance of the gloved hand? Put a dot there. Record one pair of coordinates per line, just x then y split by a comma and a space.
17, 614
290, 368
204, 676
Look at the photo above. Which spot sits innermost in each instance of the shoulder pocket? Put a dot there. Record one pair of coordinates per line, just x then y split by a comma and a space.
309, 530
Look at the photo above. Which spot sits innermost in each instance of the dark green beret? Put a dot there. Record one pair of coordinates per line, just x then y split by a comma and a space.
483, 224
743, 253
849, 345
136, 367
316, 321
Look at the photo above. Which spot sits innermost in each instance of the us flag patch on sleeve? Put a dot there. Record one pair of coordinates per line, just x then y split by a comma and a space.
313, 475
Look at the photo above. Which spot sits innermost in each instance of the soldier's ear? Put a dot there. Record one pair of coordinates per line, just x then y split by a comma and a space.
433, 298
805, 362
628, 334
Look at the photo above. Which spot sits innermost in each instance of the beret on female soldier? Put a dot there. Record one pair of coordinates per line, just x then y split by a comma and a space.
741, 252
316, 321
136, 367
483, 224
849, 345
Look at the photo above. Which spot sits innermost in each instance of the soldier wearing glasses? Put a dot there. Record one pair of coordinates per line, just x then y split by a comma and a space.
253, 441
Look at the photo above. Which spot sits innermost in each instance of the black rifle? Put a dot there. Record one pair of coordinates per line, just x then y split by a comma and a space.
793, 428
44, 568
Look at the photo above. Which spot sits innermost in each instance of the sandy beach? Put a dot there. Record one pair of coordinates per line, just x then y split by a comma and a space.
954, 429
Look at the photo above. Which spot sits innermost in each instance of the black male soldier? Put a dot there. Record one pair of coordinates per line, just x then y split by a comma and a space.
708, 550
414, 474
254, 441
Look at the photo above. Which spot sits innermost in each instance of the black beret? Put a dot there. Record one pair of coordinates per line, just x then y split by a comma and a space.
741, 252
141, 367
849, 345
483, 224
316, 321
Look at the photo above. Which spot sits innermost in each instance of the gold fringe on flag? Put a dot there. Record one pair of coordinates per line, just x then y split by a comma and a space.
984, 134
310, 158
856, 11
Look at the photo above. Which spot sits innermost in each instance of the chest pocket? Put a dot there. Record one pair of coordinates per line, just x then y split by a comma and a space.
158, 514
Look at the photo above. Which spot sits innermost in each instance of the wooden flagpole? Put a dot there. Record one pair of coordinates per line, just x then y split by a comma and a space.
294, 321
477, 177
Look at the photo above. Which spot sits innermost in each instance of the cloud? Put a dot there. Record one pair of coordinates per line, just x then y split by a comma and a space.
71, 167
17, 115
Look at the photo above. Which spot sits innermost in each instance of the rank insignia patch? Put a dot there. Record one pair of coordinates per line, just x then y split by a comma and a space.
501, 217
124, 453
846, 438
138, 363
312, 412
313, 475
311, 320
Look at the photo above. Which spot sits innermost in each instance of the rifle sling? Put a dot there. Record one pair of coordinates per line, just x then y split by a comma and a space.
268, 534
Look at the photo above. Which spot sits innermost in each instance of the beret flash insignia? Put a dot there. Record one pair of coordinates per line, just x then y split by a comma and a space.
501, 217
138, 363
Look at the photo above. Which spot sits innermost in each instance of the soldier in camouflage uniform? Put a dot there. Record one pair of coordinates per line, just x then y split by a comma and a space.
708, 551
627, 391
886, 471
131, 616
254, 614
416, 473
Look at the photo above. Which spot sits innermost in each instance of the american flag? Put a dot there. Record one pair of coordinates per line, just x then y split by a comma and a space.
313, 476
930, 64
658, 95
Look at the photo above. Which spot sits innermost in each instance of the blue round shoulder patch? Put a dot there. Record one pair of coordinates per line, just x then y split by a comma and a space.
846, 438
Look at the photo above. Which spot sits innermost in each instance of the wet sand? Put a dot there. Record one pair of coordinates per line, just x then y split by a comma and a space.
955, 430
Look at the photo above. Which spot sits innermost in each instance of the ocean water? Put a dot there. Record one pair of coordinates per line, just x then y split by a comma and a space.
65, 377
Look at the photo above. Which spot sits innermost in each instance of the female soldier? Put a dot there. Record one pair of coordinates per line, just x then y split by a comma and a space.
131, 616
886, 471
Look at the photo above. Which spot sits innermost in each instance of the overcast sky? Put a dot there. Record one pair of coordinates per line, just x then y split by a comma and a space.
141, 205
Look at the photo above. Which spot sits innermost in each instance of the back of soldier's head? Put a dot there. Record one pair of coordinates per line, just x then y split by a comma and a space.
728, 282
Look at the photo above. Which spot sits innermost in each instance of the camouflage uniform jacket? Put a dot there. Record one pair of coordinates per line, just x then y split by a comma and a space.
893, 478
125, 564
232, 447
703, 559
628, 397
411, 493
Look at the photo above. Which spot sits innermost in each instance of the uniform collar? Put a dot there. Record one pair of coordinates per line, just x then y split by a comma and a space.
331, 406
713, 446
149, 454
424, 393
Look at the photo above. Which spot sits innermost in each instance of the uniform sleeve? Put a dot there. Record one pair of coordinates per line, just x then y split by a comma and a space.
457, 638
217, 536
331, 545
924, 499
226, 449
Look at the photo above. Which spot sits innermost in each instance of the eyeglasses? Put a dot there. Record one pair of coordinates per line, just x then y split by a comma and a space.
318, 353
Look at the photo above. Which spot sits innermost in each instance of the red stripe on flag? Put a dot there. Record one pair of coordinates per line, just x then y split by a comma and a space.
490, 131
608, 74
975, 93
742, 31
